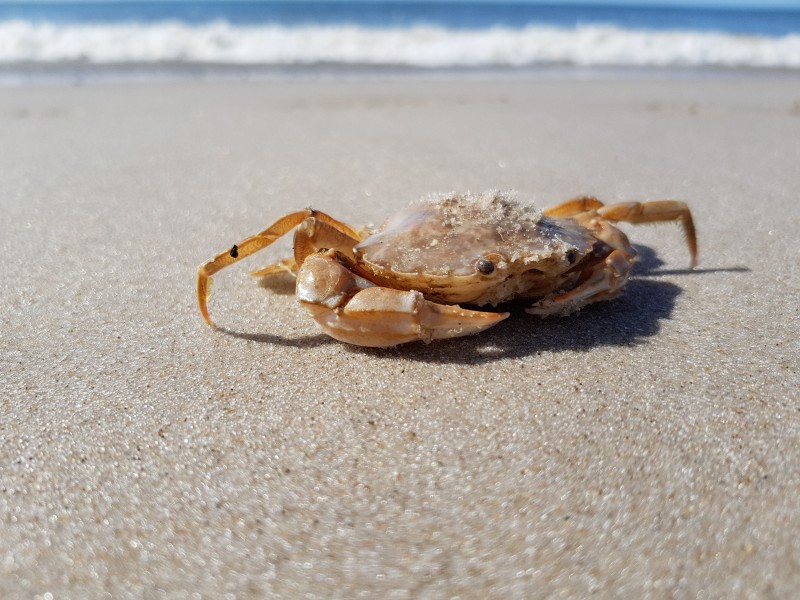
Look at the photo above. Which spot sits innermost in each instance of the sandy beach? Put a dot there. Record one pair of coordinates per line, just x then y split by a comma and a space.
647, 447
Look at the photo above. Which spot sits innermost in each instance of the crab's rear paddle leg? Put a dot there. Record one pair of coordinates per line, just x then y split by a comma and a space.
352, 309
315, 227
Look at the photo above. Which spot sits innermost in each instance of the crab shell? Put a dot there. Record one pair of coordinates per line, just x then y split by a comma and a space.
481, 249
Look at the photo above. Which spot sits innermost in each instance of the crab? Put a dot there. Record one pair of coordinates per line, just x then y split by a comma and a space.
410, 279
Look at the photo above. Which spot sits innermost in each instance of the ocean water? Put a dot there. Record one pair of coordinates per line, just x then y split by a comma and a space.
312, 36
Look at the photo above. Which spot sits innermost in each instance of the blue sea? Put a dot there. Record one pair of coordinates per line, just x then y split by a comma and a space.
301, 36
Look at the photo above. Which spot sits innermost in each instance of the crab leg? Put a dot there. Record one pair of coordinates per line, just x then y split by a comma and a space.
286, 265
311, 235
312, 222
655, 211
353, 310
584, 209
574, 206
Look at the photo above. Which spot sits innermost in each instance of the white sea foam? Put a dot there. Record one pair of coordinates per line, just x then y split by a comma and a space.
222, 43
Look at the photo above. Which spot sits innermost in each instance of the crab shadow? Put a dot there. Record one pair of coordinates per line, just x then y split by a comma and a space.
624, 321
304, 342
648, 264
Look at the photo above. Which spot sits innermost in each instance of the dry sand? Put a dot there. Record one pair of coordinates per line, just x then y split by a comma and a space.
645, 448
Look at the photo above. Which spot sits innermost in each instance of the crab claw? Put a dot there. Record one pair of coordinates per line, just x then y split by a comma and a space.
353, 310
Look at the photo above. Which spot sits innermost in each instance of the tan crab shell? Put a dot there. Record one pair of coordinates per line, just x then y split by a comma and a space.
435, 244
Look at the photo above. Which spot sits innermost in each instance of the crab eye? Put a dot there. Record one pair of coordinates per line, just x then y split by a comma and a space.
601, 249
572, 256
485, 266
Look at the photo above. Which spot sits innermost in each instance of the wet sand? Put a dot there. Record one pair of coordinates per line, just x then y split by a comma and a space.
645, 448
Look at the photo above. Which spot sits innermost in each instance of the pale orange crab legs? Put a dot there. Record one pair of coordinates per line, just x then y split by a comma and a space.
405, 281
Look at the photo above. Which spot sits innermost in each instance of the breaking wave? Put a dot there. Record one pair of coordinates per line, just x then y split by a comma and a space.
24, 42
